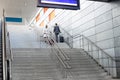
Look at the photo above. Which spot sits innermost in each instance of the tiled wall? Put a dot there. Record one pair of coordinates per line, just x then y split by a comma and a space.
99, 21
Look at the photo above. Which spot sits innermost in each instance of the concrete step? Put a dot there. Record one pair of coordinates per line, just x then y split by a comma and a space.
27, 57
73, 51
84, 67
34, 67
83, 62
23, 69
76, 53
87, 78
28, 69
33, 78
63, 45
103, 74
46, 62
36, 71
34, 74
30, 54
35, 64
80, 58
87, 75
30, 49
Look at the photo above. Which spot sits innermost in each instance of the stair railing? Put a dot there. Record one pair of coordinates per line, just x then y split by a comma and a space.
63, 66
61, 57
6, 52
51, 35
63, 54
9, 55
67, 37
103, 59
64, 57
4, 58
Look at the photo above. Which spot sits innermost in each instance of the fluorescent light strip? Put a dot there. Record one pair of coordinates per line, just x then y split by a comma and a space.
72, 4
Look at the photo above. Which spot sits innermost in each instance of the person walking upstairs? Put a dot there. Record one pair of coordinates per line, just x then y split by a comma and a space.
46, 33
56, 31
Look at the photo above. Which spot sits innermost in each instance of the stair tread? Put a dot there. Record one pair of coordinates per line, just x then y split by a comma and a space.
30, 63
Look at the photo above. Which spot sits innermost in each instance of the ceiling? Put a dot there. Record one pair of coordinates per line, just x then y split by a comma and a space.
19, 8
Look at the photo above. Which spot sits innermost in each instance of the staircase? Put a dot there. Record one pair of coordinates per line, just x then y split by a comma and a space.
83, 67
1, 75
34, 64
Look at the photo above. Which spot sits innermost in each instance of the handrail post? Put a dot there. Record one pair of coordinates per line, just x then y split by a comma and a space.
83, 42
108, 66
91, 50
102, 58
112, 67
72, 43
80, 42
98, 56
88, 46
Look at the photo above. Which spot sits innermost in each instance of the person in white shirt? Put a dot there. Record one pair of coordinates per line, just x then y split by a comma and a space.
46, 35
46, 32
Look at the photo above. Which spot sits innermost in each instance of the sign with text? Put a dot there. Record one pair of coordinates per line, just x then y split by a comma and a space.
62, 4
13, 19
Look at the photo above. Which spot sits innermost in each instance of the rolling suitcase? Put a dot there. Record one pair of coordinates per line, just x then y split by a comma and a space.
61, 38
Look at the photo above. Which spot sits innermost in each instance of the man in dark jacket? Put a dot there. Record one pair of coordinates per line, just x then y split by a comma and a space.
56, 31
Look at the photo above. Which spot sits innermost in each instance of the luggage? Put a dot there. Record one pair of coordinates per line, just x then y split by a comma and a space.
61, 38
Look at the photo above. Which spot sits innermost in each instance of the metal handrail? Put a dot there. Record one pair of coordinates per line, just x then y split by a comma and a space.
68, 36
64, 65
63, 61
9, 44
99, 48
66, 32
65, 56
77, 36
103, 56
10, 57
62, 53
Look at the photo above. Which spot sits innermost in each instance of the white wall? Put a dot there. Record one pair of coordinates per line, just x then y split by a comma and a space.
99, 21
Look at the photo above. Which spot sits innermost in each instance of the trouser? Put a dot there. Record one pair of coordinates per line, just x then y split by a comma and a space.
56, 36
